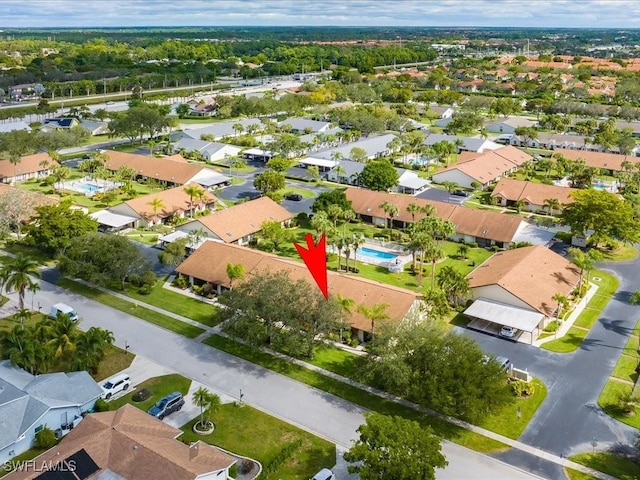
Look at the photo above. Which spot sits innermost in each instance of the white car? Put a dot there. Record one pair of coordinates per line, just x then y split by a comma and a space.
117, 384
508, 332
324, 474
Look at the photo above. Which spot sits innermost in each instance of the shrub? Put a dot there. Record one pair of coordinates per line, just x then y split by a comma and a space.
245, 466
45, 438
148, 278
522, 389
141, 395
101, 405
634, 299
552, 327
473, 245
145, 290
180, 282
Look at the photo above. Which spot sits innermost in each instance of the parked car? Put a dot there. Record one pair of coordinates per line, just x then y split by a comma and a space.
63, 309
460, 193
295, 197
508, 332
117, 384
167, 405
505, 363
324, 474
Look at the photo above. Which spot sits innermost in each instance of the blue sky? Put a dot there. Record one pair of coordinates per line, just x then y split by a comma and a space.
501, 13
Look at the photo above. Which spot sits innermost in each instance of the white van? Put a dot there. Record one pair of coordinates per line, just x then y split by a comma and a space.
324, 474
65, 310
114, 385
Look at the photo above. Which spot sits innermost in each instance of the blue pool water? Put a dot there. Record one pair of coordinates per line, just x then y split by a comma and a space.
88, 187
377, 254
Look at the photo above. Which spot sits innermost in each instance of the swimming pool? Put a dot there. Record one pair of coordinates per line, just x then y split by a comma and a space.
368, 252
89, 187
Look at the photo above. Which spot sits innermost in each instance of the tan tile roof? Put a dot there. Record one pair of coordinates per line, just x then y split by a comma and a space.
495, 226
173, 169
238, 221
533, 193
491, 164
532, 274
610, 161
209, 263
134, 445
28, 164
33, 199
175, 200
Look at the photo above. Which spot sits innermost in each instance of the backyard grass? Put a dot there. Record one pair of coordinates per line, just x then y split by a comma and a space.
148, 238
251, 433
355, 395
201, 312
507, 423
182, 328
571, 341
159, 387
608, 463
9, 322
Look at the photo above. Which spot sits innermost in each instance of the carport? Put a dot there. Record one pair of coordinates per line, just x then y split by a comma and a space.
489, 314
113, 222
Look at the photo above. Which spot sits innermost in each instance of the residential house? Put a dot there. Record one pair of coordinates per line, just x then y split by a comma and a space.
225, 129
208, 264
632, 127
210, 151
486, 228
59, 123
534, 196
553, 141
306, 125
344, 171
347, 172
29, 403
170, 171
95, 127
509, 125
140, 212
465, 144
237, 224
605, 161
516, 288
442, 111
14, 126
410, 183
483, 169
127, 444
258, 154
374, 147
39, 165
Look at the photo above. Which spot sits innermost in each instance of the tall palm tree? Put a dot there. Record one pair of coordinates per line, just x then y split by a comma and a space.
321, 224
463, 250
193, 191
156, 204
208, 403
347, 216
346, 306
16, 275
64, 333
14, 159
348, 243
151, 144
357, 241
339, 169
412, 209
90, 348
374, 314
391, 210
552, 204
235, 271
562, 301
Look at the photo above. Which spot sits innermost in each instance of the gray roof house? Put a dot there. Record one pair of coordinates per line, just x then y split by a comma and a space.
211, 151
95, 127
29, 403
373, 146
306, 125
13, 126
469, 144
509, 125
223, 129
346, 172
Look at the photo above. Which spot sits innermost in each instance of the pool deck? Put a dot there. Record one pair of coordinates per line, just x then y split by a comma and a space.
399, 261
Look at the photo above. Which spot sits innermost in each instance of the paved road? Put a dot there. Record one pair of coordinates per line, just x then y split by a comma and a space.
316, 411
569, 418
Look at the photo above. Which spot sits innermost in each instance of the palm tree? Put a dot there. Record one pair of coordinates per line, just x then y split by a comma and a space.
347, 250
238, 128
339, 244
562, 301
346, 305
64, 333
16, 275
14, 159
22, 315
334, 212
463, 250
235, 271
552, 204
321, 224
412, 209
156, 204
339, 169
21, 348
193, 191
374, 314
59, 175
151, 144
450, 186
518, 205
33, 288
347, 216
90, 348
391, 210
208, 402
357, 241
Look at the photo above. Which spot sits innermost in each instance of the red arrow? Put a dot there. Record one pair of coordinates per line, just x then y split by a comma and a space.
315, 257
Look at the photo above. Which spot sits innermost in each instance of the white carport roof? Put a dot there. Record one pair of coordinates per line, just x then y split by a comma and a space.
320, 162
111, 219
504, 314
173, 236
212, 180
534, 235
413, 182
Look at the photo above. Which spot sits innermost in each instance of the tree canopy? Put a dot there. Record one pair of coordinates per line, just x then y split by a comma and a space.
332, 197
379, 175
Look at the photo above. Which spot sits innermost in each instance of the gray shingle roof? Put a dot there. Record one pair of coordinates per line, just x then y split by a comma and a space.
301, 124
469, 143
75, 388
222, 129
371, 145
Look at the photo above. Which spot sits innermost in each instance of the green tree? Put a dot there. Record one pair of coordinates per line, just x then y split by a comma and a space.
358, 154
64, 333
194, 191
174, 253
279, 164
54, 226
454, 285
603, 213
552, 204
387, 446
332, 197
90, 348
235, 271
269, 181
450, 186
375, 313
322, 224
17, 274
379, 175
391, 211
274, 232
207, 402
183, 110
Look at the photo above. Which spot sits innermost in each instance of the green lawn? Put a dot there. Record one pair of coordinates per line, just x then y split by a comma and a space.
577, 475
607, 286
336, 360
625, 368
8, 323
150, 316
301, 191
115, 361
189, 307
608, 463
249, 432
507, 422
159, 387
149, 238
355, 395
38, 255
620, 254
23, 457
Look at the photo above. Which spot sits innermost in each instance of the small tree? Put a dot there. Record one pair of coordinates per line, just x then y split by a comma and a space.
208, 402
463, 250
45, 438
235, 271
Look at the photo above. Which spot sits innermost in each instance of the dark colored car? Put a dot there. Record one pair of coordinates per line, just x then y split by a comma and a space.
167, 405
460, 193
295, 197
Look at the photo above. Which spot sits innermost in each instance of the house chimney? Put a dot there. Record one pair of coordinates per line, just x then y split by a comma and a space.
193, 451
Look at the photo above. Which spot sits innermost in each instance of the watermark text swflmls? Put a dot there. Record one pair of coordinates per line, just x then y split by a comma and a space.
35, 465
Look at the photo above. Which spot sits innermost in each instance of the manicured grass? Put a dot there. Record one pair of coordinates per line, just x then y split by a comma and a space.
148, 238
114, 361
337, 361
3, 299
301, 191
23, 457
150, 316
159, 387
607, 285
249, 432
189, 307
577, 475
625, 368
609, 401
507, 423
9, 322
620, 254
355, 395
610, 464
37, 255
